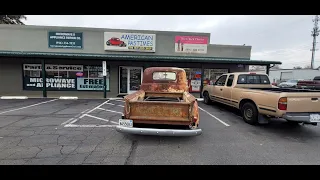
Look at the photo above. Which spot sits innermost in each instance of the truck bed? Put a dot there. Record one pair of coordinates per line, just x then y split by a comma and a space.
159, 107
280, 90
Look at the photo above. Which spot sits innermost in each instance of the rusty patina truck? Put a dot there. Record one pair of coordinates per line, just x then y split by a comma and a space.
163, 99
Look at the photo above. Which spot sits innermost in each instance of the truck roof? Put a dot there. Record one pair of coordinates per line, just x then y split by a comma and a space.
238, 73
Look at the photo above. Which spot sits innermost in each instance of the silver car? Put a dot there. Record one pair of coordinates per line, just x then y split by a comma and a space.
292, 83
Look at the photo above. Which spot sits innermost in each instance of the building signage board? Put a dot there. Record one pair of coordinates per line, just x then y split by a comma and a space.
53, 67
91, 84
117, 41
67, 84
191, 44
66, 40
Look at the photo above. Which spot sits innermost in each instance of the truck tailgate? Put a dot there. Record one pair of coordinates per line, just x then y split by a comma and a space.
159, 111
303, 102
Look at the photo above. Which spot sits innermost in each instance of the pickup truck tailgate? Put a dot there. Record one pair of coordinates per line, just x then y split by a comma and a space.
159, 111
303, 102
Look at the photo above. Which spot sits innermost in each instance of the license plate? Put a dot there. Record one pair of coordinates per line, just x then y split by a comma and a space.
314, 117
125, 122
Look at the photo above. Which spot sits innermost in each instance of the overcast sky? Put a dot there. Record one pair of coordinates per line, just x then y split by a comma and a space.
279, 38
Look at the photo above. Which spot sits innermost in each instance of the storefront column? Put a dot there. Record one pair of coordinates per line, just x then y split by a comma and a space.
202, 78
44, 78
268, 69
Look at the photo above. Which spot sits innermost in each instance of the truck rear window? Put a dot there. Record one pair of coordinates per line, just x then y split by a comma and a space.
164, 76
253, 79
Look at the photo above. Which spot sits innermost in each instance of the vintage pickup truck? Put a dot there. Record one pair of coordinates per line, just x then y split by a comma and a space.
258, 101
163, 99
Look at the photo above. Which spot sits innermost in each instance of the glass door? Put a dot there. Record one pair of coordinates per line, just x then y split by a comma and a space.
130, 79
135, 79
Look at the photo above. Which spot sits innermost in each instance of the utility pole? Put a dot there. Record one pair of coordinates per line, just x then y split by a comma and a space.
314, 34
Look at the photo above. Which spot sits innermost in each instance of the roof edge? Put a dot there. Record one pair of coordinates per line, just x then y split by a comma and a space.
138, 57
98, 29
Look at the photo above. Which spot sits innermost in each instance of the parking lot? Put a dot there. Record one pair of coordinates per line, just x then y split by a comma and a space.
55, 131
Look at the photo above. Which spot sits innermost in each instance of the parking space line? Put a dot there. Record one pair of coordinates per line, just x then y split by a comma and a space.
214, 117
28, 106
106, 120
111, 111
118, 100
114, 104
75, 120
85, 111
88, 125
98, 106
67, 121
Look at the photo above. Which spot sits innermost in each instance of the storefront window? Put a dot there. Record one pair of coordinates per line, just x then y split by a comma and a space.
211, 75
92, 79
64, 77
194, 79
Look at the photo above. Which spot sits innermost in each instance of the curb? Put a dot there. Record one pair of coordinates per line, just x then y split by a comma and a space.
199, 99
68, 97
14, 97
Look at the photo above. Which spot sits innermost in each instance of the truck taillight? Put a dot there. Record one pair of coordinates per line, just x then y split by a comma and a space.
282, 103
195, 119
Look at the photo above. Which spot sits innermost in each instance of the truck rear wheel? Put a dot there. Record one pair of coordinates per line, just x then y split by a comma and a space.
206, 98
249, 113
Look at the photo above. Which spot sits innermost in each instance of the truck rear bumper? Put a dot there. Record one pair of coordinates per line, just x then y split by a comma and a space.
159, 132
303, 117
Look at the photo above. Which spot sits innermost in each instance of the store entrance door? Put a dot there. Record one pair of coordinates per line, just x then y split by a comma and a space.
130, 79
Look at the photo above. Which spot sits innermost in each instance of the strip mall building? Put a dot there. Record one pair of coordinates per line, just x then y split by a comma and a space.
72, 58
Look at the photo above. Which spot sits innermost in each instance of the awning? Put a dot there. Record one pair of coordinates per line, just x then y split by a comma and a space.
137, 57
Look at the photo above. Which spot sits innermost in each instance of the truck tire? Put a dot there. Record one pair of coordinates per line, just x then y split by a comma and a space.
250, 113
206, 98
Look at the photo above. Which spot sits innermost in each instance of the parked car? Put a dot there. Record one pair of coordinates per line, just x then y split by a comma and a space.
253, 95
116, 42
292, 83
163, 99
310, 84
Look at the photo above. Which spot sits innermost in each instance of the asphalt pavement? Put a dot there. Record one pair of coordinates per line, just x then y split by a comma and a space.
54, 131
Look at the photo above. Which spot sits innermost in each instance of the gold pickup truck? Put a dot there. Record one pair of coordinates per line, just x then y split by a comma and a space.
163, 99
258, 100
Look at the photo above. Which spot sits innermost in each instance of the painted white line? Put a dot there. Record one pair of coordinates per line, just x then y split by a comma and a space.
67, 121
68, 97
14, 97
83, 115
115, 104
73, 121
115, 98
28, 106
85, 111
110, 103
88, 125
111, 111
98, 106
106, 120
199, 99
214, 116
118, 100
